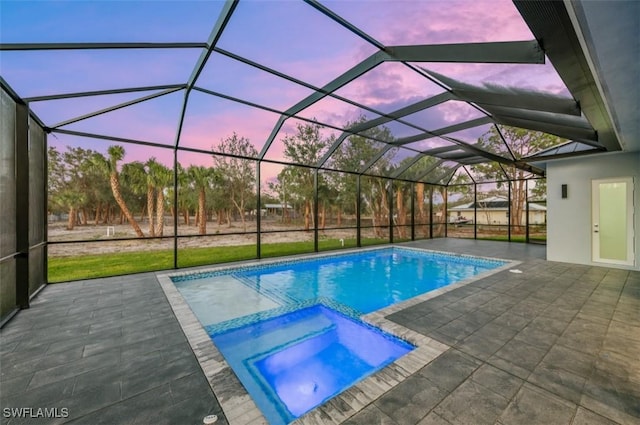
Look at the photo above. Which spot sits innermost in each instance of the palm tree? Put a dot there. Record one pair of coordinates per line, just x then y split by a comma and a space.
110, 167
161, 178
134, 176
201, 177
72, 198
185, 198
151, 166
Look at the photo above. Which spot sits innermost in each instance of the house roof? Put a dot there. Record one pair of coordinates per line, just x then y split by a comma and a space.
497, 203
276, 206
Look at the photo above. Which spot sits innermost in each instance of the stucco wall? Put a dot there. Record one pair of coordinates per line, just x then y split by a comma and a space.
569, 220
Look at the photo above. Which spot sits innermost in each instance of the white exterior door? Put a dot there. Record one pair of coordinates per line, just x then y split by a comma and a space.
612, 227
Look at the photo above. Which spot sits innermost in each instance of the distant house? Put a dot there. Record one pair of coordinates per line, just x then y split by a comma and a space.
277, 209
495, 210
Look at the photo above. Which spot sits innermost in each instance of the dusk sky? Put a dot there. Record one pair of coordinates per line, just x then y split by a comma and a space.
288, 36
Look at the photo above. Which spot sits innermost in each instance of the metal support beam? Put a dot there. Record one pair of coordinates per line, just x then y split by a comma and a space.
413, 211
447, 175
528, 101
535, 158
343, 79
376, 158
430, 152
259, 211
564, 120
495, 52
222, 21
453, 173
508, 97
444, 130
443, 149
45, 212
293, 80
402, 112
102, 92
348, 25
334, 147
406, 166
274, 132
98, 46
430, 169
175, 206
430, 212
356, 71
463, 126
407, 110
474, 160
497, 158
445, 212
358, 211
22, 205
110, 138
116, 107
506, 175
504, 142
315, 210
390, 206
475, 211
214, 36
509, 211
551, 23
526, 203
583, 135
457, 156
469, 174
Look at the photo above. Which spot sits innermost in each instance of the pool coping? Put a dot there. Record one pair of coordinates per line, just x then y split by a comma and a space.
238, 406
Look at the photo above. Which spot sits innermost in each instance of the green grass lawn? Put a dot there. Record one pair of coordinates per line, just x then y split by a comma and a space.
62, 269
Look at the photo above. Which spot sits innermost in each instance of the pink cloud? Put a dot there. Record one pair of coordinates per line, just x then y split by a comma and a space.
234, 78
205, 125
423, 145
435, 22
388, 87
298, 41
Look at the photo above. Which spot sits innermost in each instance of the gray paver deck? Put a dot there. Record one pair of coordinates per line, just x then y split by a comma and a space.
557, 344
110, 351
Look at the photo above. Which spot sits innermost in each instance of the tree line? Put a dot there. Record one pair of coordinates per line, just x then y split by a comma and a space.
93, 188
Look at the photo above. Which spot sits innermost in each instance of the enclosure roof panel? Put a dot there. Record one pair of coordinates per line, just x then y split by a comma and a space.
386, 83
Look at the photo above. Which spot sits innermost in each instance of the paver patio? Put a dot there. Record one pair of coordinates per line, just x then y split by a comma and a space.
556, 344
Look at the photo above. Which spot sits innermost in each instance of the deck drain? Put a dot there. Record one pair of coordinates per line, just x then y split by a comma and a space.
210, 419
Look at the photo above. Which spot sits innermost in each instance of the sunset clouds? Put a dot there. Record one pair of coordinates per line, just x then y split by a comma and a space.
288, 36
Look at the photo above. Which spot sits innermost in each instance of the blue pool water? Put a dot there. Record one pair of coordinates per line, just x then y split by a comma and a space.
294, 362
367, 281
364, 282
291, 354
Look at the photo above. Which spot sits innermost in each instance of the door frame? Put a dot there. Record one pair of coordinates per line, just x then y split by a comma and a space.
595, 215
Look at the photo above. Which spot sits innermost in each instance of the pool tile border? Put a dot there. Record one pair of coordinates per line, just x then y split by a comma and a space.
238, 406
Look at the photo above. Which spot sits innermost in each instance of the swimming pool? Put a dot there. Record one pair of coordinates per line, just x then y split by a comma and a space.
241, 307
362, 282
293, 362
